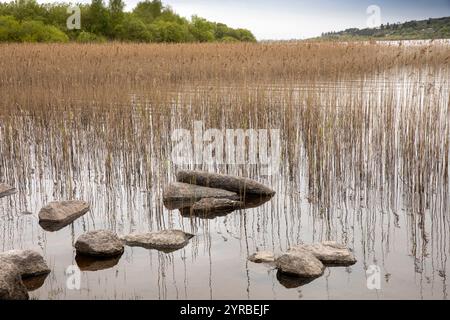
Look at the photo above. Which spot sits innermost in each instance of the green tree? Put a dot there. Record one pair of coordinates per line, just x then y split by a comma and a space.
36, 31
26, 10
133, 29
116, 14
444, 31
148, 11
222, 31
149, 21
167, 14
98, 20
56, 14
9, 29
170, 31
245, 35
229, 39
202, 29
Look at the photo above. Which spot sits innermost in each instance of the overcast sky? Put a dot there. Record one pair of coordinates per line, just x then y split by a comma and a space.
297, 19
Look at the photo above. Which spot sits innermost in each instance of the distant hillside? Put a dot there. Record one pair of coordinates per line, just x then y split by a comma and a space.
433, 28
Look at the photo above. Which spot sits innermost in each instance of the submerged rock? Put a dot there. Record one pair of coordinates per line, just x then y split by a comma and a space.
262, 256
88, 263
99, 243
301, 264
165, 240
181, 195
240, 185
6, 190
29, 263
329, 252
58, 214
11, 285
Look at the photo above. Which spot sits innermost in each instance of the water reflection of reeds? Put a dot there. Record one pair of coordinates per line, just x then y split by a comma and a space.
365, 155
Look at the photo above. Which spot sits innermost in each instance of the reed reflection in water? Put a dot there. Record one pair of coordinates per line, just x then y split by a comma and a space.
364, 162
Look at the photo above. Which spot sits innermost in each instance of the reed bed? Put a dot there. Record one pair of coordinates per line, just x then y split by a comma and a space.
75, 74
345, 105
360, 123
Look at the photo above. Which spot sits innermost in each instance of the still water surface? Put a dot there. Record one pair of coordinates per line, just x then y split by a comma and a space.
378, 221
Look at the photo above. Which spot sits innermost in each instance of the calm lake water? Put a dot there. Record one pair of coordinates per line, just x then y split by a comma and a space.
406, 235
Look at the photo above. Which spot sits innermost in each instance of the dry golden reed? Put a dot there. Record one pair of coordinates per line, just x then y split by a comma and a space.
359, 122
355, 117
74, 73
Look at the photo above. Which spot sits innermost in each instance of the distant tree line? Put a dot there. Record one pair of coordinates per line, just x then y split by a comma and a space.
433, 28
149, 21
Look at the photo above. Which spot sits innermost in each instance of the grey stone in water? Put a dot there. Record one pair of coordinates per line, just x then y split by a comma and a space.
181, 195
29, 263
99, 243
262, 256
301, 264
329, 252
165, 240
6, 190
240, 185
11, 285
58, 214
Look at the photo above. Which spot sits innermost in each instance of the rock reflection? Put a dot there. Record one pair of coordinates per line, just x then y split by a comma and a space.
55, 226
86, 263
290, 282
34, 283
189, 213
248, 202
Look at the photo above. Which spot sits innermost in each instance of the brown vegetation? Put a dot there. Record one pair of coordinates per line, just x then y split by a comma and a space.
365, 135
359, 116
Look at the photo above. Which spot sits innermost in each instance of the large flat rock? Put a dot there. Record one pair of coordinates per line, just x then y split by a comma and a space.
240, 185
99, 243
29, 263
301, 264
165, 240
329, 252
6, 190
58, 214
179, 195
11, 285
